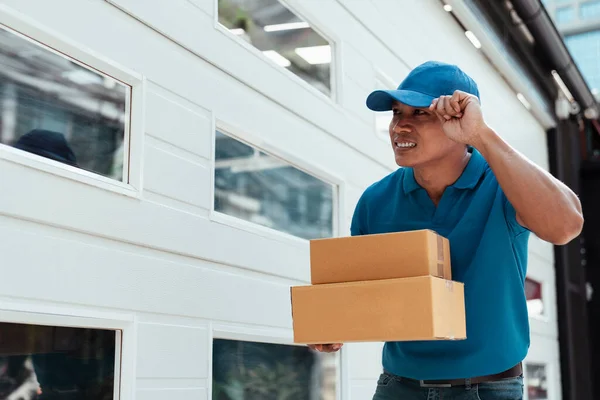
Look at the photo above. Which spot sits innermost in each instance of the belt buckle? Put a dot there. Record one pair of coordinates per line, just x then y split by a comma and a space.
423, 384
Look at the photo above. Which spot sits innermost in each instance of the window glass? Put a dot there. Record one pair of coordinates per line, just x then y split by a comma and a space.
535, 303
282, 36
585, 49
265, 190
537, 381
250, 370
57, 363
56, 108
589, 10
564, 15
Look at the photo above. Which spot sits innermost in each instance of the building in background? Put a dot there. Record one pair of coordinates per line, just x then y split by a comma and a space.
529, 38
579, 22
163, 165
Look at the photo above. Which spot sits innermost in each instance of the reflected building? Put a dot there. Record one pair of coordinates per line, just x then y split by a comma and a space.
579, 23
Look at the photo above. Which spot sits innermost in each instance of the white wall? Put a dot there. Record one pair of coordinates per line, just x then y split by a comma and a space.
156, 256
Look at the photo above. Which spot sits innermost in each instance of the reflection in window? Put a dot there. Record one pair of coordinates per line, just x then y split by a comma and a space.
564, 15
249, 370
57, 363
585, 48
589, 10
55, 108
537, 381
282, 36
535, 303
259, 188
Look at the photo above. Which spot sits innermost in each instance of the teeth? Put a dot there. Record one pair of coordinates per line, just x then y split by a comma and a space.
406, 144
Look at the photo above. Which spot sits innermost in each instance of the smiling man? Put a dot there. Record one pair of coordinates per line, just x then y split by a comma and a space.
461, 179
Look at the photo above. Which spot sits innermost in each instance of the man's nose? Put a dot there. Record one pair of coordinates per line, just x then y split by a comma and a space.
400, 126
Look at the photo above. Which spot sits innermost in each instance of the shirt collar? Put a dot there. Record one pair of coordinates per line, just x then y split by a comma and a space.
467, 180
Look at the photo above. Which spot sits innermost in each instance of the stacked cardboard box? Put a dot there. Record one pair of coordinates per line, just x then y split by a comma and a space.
373, 288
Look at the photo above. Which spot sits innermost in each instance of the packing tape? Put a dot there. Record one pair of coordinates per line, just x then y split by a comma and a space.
450, 286
440, 248
440, 270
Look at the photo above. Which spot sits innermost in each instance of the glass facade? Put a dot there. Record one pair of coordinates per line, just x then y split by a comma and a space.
564, 15
251, 370
579, 23
589, 10
556, 2
585, 50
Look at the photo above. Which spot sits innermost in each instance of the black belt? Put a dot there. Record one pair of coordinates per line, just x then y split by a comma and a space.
514, 372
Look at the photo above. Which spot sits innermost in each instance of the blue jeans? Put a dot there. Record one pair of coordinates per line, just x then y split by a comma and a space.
390, 387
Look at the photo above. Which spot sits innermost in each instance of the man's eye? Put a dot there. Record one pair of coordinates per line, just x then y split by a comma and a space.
419, 112
395, 112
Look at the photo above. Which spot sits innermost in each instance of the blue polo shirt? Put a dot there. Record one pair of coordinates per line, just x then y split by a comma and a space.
488, 249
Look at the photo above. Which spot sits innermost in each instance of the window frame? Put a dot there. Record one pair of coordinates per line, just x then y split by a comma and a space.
543, 283
124, 326
337, 184
35, 32
548, 368
336, 71
273, 336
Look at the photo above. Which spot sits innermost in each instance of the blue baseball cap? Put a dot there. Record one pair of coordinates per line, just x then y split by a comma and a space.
425, 83
49, 144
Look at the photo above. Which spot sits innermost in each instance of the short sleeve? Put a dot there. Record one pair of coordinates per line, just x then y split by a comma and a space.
510, 214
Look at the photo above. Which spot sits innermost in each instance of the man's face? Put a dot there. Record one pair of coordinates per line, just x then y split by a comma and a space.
417, 136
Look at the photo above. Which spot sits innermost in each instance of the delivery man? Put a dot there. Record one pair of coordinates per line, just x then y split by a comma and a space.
462, 180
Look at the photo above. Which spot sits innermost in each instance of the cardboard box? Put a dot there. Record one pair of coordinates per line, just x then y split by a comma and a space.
383, 256
421, 308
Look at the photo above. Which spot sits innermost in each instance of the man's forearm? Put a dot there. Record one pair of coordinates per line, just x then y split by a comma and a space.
544, 204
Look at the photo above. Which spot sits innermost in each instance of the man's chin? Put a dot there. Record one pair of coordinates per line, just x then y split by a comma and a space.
405, 162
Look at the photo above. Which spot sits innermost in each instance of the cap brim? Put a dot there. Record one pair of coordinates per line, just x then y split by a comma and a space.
44, 153
382, 100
